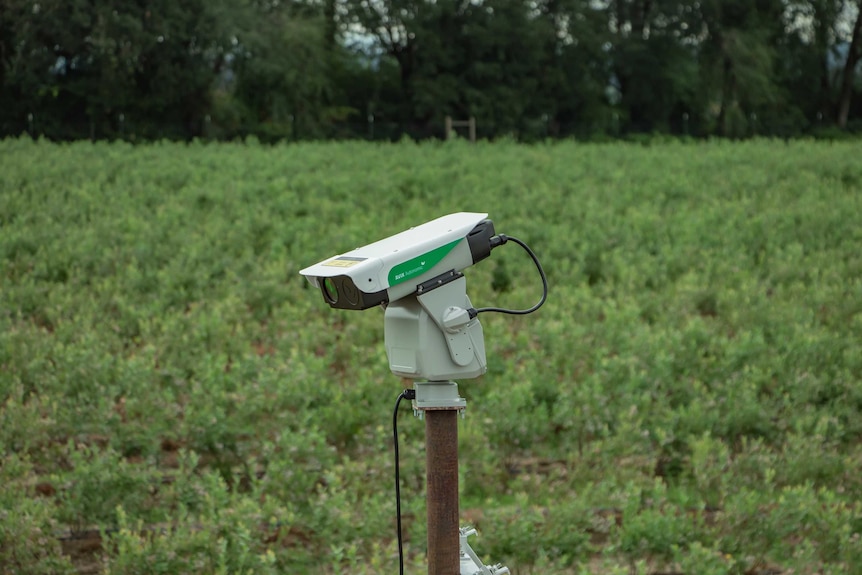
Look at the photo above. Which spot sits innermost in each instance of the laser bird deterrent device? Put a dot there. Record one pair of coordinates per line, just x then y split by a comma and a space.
395, 267
431, 333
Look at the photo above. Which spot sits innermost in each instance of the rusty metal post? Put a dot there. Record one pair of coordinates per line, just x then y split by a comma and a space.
439, 404
441, 459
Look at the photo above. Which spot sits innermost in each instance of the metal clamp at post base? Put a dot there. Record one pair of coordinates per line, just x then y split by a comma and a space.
470, 562
437, 395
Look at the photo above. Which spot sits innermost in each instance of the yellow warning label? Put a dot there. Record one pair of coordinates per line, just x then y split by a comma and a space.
343, 262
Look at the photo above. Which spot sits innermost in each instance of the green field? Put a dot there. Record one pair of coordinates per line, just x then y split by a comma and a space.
177, 399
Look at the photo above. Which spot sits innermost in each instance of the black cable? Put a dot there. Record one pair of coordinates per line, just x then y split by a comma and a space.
406, 394
500, 240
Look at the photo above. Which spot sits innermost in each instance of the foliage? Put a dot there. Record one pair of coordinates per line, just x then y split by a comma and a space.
27, 544
528, 69
687, 400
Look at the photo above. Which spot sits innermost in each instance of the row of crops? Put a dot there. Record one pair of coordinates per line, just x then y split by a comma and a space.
174, 398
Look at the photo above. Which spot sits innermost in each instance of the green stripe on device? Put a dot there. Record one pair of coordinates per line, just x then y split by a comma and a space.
419, 265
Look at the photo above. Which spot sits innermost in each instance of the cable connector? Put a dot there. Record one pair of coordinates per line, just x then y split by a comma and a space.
409, 394
498, 240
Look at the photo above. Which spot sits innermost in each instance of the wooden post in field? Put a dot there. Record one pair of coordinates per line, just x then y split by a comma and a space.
469, 124
441, 471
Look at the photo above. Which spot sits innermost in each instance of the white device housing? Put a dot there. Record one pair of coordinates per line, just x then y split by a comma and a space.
431, 336
392, 268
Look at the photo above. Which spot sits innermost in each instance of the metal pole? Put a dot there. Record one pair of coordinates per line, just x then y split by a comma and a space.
441, 460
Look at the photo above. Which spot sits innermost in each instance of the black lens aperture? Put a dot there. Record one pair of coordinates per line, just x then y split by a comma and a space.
330, 292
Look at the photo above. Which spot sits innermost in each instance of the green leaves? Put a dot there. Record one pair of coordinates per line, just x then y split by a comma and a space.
687, 396
27, 542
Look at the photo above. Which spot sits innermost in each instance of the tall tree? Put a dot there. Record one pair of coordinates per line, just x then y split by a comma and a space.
282, 69
654, 68
738, 59
393, 25
84, 65
457, 57
573, 86
854, 52
817, 48
504, 64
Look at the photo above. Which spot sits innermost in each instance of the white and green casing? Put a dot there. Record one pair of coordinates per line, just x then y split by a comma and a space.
392, 268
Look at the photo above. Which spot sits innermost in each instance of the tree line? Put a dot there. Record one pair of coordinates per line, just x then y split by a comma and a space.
380, 69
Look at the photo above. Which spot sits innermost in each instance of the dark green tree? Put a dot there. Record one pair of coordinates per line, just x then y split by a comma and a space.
379, 68
392, 24
738, 60
282, 72
651, 46
462, 58
573, 82
96, 68
848, 73
503, 63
